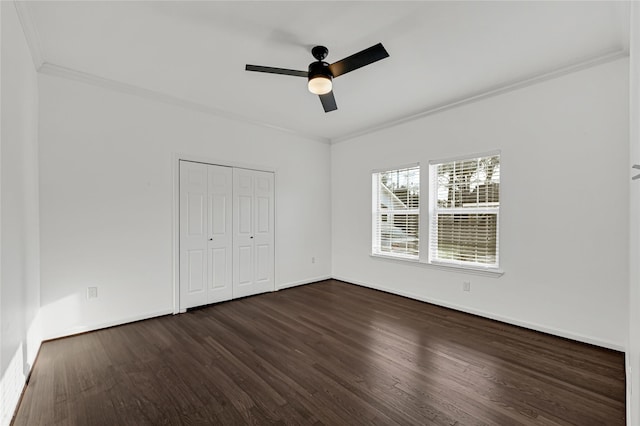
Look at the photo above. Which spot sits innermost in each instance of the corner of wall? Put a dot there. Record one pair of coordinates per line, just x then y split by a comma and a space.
20, 336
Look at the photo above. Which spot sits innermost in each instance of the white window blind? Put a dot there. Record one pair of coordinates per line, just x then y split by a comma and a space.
396, 212
464, 212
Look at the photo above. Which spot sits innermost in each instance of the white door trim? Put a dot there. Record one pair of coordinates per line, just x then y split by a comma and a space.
175, 213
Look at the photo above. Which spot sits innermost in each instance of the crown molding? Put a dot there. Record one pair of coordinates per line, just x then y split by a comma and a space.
129, 89
92, 79
494, 91
30, 33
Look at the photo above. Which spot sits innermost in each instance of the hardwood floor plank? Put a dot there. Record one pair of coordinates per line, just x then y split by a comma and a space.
323, 354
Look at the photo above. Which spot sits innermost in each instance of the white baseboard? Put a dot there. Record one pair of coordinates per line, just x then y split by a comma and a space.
525, 324
532, 326
94, 327
121, 321
303, 282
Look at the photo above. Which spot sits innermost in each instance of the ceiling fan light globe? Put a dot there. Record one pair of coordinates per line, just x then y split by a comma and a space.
320, 85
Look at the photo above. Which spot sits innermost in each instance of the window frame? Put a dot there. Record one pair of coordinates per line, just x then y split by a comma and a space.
426, 205
375, 211
434, 209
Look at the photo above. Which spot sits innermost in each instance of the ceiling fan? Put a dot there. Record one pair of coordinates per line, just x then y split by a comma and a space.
321, 73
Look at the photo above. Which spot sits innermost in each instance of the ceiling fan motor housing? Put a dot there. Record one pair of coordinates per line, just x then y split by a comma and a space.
319, 69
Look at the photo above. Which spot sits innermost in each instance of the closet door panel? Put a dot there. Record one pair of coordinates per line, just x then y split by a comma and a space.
264, 230
253, 232
193, 234
220, 241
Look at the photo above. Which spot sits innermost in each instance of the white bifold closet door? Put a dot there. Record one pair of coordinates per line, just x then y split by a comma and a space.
253, 236
226, 233
205, 234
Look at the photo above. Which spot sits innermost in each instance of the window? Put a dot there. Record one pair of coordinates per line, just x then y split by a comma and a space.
464, 212
396, 212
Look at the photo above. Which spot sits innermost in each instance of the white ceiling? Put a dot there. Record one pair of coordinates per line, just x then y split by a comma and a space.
440, 52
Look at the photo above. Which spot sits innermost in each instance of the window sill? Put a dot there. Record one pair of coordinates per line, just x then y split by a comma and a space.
396, 257
442, 266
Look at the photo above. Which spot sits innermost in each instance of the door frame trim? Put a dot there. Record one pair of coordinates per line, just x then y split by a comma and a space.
175, 212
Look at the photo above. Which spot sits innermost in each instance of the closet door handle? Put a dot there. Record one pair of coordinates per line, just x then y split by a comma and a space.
251, 237
637, 167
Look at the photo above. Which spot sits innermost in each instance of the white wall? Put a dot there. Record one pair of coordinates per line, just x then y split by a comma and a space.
564, 207
106, 185
19, 258
633, 353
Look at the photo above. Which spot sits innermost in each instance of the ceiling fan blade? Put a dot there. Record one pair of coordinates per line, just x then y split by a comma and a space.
359, 60
273, 70
328, 102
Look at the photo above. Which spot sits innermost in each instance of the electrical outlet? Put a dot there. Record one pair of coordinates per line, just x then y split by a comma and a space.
313, 260
466, 285
92, 293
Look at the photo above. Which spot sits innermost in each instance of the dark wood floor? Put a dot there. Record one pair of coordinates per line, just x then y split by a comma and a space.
326, 353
